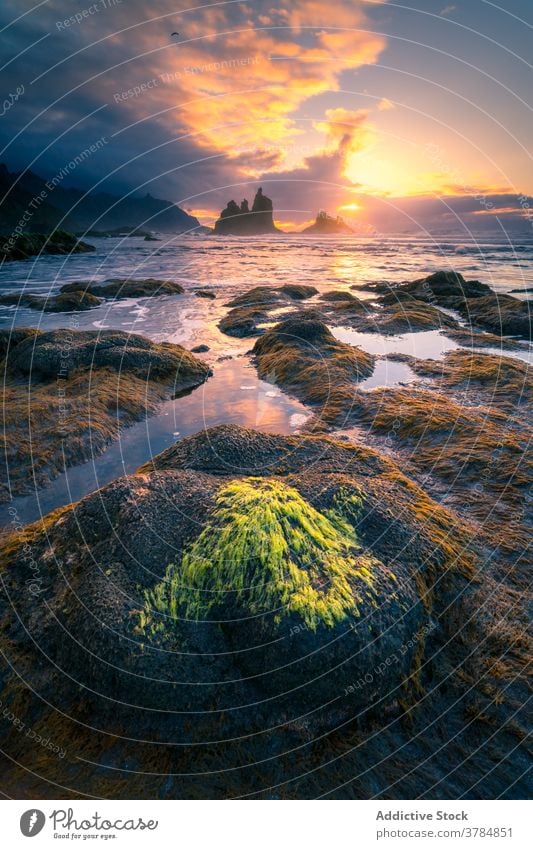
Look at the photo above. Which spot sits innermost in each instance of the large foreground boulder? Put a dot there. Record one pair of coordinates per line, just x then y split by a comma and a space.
242, 610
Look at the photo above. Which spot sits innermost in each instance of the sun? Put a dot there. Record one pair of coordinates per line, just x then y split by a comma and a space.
350, 207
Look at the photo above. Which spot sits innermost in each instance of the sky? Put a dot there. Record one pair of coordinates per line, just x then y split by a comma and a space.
399, 117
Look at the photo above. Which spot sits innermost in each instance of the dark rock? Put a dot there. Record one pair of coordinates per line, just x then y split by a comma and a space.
243, 321
474, 301
13, 337
259, 296
73, 301
325, 225
240, 220
298, 291
32, 244
205, 293
261, 665
200, 349
126, 288
339, 295
56, 352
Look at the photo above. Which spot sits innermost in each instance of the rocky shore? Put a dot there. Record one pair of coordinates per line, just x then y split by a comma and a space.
426, 304
68, 394
259, 615
26, 245
325, 643
83, 295
476, 302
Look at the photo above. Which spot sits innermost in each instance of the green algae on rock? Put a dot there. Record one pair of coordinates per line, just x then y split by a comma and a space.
268, 549
255, 696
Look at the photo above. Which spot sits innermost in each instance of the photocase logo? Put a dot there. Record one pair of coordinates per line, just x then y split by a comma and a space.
32, 822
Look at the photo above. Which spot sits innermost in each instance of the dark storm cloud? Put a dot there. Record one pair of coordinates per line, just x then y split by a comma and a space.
64, 108
192, 117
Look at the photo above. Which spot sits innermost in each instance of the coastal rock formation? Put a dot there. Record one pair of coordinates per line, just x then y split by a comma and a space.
236, 606
326, 225
68, 393
250, 309
80, 295
241, 221
476, 302
116, 288
301, 355
70, 301
26, 245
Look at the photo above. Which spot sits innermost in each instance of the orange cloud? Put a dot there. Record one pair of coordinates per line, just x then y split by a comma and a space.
236, 81
348, 130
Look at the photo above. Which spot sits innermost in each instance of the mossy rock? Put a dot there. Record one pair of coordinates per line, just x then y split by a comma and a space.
273, 591
476, 302
13, 337
32, 244
259, 296
298, 291
266, 550
68, 394
252, 308
59, 352
116, 288
243, 321
341, 296
286, 669
301, 355
75, 301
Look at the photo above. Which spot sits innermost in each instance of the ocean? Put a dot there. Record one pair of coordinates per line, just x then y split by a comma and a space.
228, 267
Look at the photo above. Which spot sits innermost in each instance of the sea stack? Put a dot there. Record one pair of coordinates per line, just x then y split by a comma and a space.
238, 220
326, 225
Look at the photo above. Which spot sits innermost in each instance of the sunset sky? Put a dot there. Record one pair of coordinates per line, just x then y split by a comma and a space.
398, 116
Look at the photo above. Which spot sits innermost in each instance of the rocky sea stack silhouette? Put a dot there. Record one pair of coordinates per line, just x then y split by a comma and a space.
240, 220
327, 225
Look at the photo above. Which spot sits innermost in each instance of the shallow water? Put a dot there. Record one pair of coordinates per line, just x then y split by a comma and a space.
248, 401
388, 373
427, 345
231, 267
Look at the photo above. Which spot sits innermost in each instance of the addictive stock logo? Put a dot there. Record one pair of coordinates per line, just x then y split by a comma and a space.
32, 822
